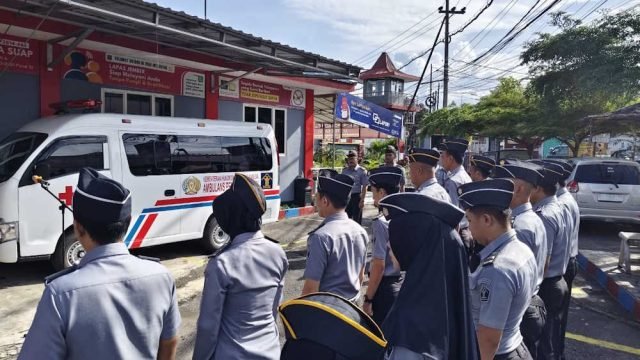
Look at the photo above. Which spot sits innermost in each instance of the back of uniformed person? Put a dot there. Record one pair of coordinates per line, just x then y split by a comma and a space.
112, 305
390, 161
359, 189
481, 167
553, 290
385, 279
336, 251
505, 279
422, 163
572, 217
530, 230
243, 282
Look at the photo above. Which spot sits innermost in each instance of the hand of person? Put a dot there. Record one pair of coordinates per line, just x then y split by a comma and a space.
366, 307
362, 203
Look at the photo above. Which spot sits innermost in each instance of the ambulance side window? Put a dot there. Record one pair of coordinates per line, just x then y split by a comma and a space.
68, 155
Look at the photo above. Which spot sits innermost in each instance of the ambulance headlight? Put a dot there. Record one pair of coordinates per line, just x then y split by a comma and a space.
8, 231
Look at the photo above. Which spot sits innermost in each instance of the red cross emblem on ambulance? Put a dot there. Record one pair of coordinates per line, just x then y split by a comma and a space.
67, 195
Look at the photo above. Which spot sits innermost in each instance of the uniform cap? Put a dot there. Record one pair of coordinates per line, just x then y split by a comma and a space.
386, 175
496, 193
483, 162
390, 149
458, 146
99, 199
250, 193
566, 167
515, 169
425, 156
403, 203
339, 185
552, 173
352, 153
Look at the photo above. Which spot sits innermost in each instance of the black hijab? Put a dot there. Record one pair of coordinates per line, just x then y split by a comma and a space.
432, 314
233, 216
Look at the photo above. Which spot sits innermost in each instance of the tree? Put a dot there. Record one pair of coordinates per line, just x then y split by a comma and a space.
374, 156
453, 121
584, 70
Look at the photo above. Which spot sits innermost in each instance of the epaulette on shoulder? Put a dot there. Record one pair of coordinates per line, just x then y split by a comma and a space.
272, 239
148, 258
489, 260
316, 229
50, 278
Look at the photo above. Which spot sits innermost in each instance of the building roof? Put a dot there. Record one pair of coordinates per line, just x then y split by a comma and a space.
384, 68
150, 22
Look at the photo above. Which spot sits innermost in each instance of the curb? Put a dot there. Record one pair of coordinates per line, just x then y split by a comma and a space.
628, 301
296, 212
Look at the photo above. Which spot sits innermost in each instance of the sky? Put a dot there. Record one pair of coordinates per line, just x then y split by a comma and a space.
357, 31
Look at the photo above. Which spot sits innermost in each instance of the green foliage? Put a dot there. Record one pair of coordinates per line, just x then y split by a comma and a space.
454, 121
374, 157
323, 157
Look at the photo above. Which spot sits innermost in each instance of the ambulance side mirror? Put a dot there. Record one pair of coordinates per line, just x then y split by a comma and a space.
43, 170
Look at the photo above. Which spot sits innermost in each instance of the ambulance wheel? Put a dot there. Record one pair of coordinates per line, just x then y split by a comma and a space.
69, 252
213, 238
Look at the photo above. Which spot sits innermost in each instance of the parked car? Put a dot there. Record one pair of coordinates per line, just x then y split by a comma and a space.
508, 154
607, 190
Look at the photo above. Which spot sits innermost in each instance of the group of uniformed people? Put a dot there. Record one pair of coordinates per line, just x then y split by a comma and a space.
478, 267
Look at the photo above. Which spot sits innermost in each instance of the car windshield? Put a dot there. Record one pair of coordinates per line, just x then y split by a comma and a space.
616, 174
15, 149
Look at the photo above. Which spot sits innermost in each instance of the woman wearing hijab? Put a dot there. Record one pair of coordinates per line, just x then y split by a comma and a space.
243, 282
431, 317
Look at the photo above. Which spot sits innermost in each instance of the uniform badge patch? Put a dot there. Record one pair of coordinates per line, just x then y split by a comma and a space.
485, 293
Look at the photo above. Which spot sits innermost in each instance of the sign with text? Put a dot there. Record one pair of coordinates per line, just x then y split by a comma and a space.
366, 114
18, 55
133, 73
254, 91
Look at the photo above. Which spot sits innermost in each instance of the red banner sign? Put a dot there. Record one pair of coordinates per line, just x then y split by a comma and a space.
133, 73
253, 91
18, 55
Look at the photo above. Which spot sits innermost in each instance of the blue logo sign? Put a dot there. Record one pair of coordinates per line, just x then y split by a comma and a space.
366, 114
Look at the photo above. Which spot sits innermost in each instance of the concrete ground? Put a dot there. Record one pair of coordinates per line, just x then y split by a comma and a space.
598, 327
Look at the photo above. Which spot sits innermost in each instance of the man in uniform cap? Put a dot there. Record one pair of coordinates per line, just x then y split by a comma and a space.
530, 230
504, 281
431, 318
481, 167
337, 249
422, 163
359, 190
553, 289
112, 305
390, 161
243, 282
385, 279
572, 218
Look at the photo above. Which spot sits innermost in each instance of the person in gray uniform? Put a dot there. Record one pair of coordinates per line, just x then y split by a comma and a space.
422, 163
359, 190
385, 278
572, 216
504, 281
244, 282
553, 289
337, 249
480, 167
530, 230
390, 161
112, 305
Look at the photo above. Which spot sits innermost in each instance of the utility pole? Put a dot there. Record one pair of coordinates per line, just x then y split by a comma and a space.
205, 9
447, 12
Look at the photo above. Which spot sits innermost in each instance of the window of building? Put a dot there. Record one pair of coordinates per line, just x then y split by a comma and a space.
68, 155
154, 154
375, 87
397, 86
275, 117
136, 103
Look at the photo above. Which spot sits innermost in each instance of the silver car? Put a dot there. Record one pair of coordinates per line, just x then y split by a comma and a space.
607, 190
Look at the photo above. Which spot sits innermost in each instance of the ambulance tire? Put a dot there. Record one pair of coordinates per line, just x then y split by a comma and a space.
213, 237
68, 252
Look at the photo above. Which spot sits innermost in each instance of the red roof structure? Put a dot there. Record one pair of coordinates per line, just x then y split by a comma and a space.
384, 68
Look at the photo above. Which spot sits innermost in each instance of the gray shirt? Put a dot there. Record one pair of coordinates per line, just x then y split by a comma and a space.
573, 216
242, 292
530, 230
360, 178
502, 288
453, 181
336, 254
112, 306
432, 189
381, 247
558, 234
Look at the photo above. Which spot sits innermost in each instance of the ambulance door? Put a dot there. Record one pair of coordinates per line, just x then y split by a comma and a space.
59, 164
147, 170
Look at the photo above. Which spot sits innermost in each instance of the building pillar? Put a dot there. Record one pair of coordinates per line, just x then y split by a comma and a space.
309, 128
50, 82
211, 97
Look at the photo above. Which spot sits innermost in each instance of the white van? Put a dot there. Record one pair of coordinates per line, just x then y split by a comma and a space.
174, 168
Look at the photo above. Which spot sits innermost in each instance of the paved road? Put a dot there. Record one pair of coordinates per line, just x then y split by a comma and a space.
598, 328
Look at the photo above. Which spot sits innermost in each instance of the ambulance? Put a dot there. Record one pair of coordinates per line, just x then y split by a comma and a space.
174, 168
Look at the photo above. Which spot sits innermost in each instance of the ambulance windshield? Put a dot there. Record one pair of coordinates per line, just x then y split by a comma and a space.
15, 149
